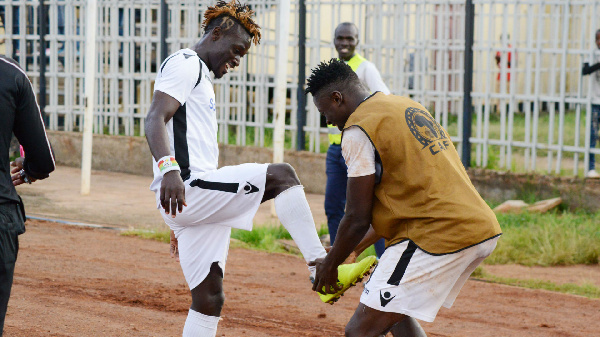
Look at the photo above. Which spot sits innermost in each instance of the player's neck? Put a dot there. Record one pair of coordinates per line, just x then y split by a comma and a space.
202, 50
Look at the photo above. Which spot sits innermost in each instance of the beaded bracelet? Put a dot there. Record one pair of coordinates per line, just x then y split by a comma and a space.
167, 164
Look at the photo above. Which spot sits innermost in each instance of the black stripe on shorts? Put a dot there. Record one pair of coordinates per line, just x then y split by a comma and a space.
215, 186
402, 264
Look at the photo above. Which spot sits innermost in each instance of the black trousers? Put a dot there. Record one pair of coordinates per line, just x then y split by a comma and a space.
12, 225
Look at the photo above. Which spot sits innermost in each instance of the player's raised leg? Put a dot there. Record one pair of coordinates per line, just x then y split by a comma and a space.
283, 185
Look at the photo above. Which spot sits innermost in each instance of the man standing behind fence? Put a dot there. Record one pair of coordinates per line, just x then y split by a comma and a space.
594, 70
19, 114
345, 41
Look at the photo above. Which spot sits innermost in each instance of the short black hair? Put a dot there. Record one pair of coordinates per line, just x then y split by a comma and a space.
328, 73
351, 24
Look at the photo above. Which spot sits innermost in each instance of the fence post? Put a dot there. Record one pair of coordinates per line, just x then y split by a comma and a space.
90, 95
43, 20
164, 18
301, 109
468, 83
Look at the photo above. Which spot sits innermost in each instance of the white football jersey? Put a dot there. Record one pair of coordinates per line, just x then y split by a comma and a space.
193, 129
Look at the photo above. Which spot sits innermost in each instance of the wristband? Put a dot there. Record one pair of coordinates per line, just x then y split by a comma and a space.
168, 164
24, 176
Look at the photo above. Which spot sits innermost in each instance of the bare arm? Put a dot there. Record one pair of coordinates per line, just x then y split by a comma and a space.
161, 111
172, 190
353, 227
370, 238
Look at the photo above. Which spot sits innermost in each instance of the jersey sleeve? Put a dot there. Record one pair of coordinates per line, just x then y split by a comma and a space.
358, 152
30, 131
177, 76
374, 81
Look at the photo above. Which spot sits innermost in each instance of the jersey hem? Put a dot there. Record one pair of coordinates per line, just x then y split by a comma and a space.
453, 252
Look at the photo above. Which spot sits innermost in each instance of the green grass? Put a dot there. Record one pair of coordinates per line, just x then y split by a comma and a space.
158, 235
531, 239
518, 134
260, 238
548, 239
265, 237
586, 289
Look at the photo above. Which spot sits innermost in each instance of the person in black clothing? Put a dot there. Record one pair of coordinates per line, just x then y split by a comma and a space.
19, 114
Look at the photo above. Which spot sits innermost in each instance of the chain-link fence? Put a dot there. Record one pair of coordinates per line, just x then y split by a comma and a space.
532, 107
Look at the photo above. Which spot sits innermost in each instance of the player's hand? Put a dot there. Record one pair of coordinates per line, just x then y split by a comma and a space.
174, 247
326, 277
172, 193
15, 171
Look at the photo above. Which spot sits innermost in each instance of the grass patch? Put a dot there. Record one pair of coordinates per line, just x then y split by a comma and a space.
260, 238
586, 289
548, 239
160, 235
263, 238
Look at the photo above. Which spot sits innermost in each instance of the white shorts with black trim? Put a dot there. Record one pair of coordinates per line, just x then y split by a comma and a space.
216, 202
410, 281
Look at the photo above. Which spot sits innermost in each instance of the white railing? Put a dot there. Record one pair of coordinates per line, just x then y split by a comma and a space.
533, 115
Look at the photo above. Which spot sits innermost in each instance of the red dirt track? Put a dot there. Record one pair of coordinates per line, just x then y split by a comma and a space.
90, 282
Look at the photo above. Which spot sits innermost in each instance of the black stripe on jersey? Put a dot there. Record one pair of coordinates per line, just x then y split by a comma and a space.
402, 264
182, 155
167, 60
215, 186
200, 74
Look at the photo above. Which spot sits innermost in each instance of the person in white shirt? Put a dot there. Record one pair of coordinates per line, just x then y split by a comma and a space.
593, 69
202, 202
345, 41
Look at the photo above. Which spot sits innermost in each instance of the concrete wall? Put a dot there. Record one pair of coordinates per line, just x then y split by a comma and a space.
132, 155
500, 186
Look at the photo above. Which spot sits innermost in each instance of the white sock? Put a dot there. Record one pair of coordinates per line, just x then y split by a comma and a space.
200, 325
294, 213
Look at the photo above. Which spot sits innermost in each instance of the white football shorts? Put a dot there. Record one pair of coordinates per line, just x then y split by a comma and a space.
216, 202
410, 281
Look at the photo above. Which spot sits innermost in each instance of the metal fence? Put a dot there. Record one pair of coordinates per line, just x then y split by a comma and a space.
532, 113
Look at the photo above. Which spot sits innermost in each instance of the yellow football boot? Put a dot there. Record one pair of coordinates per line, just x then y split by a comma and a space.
349, 275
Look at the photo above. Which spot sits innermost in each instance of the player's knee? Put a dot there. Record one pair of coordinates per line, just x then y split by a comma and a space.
208, 297
284, 174
208, 303
216, 301
352, 332
280, 177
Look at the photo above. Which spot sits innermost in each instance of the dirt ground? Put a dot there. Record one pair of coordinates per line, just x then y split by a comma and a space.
73, 281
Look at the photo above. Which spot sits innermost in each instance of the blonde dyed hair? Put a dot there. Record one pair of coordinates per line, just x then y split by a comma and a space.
240, 13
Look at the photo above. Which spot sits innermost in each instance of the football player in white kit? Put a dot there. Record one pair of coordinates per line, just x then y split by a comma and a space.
202, 202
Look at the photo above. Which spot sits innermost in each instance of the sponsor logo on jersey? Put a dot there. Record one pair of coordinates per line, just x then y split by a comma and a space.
385, 297
249, 188
427, 131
